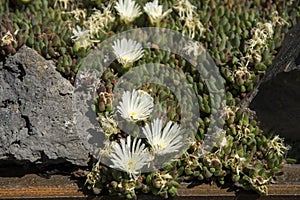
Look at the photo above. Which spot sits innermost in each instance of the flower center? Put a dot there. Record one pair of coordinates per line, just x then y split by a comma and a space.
130, 165
160, 146
132, 114
126, 59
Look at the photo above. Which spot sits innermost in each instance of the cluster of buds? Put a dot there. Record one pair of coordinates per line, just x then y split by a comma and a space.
162, 184
105, 92
81, 38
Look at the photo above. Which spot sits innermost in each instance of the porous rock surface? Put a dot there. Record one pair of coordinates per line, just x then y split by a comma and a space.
36, 115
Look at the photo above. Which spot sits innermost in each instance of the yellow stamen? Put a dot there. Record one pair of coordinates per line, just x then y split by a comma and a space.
132, 114
130, 165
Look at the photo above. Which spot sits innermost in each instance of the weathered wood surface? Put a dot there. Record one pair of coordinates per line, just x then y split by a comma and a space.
62, 187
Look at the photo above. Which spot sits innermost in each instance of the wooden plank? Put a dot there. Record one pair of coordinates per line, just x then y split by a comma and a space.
61, 187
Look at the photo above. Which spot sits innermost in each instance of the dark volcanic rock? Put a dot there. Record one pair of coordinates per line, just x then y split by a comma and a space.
276, 100
36, 116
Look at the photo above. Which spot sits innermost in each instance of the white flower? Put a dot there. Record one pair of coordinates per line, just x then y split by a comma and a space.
63, 2
107, 150
242, 73
184, 9
81, 37
155, 11
266, 27
79, 34
164, 140
191, 25
260, 36
221, 139
276, 19
193, 48
128, 10
127, 51
99, 21
7, 39
136, 105
253, 56
229, 112
108, 125
130, 157
276, 145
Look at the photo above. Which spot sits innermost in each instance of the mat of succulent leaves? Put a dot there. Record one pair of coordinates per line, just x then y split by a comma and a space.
242, 156
242, 38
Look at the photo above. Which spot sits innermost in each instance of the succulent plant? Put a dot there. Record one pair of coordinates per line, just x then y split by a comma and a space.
11, 37
46, 30
240, 37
